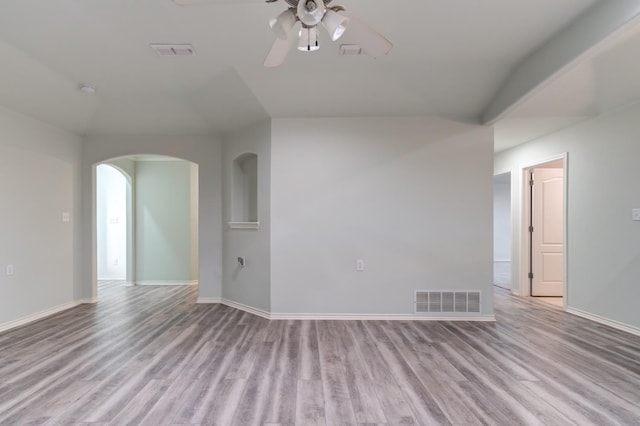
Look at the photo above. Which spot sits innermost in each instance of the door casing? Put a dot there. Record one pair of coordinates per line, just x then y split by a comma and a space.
525, 250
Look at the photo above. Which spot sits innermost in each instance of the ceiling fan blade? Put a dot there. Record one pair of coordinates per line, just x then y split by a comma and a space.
372, 42
280, 49
199, 2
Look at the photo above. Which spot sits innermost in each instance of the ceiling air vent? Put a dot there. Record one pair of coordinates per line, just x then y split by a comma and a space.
350, 50
173, 49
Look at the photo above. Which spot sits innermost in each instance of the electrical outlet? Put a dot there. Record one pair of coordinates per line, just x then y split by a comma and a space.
635, 214
66, 217
359, 265
9, 270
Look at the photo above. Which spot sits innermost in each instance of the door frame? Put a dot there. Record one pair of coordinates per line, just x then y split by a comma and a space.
525, 201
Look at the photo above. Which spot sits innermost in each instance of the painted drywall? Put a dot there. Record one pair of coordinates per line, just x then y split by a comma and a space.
127, 167
603, 176
163, 222
502, 219
249, 285
39, 180
204, 151
111, 222
193, 220
412, 197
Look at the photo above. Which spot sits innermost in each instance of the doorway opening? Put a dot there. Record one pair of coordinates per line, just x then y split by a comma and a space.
145, 222
544, 230
113, 214
502, 230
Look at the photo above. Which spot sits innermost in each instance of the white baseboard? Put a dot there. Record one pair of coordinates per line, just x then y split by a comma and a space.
166, 282
89, 300
606, 321
502, 260
38, 315
345, 317
379, 317
247, 308
210, 300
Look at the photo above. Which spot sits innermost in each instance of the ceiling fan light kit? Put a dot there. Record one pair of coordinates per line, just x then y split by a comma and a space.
334, 20
335, 24
308, 41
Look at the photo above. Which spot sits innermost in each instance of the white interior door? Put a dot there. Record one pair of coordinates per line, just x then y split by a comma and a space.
547, 249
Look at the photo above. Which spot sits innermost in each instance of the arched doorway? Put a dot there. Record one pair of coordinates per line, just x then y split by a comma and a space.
162, 220
113, 215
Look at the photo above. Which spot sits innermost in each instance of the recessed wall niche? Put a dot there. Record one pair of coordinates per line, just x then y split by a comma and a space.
244, 207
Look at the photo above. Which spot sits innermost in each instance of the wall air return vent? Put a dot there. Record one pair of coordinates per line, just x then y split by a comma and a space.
173, 49
447, 302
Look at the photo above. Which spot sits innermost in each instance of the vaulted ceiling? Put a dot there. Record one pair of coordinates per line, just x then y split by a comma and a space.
452, 58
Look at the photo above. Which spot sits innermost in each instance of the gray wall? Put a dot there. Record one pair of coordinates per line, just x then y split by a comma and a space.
163, 221
250, 285
204, 151
603, 175
410, 196
502, 218
39, 180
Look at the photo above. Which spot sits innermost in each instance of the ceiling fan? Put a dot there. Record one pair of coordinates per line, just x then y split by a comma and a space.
311, 14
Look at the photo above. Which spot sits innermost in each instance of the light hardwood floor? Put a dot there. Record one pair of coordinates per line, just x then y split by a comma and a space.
150, 355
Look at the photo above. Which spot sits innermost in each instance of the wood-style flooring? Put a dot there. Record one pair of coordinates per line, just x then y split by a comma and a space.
150, 355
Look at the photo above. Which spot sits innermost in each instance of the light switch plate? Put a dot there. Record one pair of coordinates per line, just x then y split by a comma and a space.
9, 270
635, 214
66, 217
359, 265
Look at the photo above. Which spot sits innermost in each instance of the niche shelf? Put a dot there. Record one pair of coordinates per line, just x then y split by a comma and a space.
244, 192
244, 225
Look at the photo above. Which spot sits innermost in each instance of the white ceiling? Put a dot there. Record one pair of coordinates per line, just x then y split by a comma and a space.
603, 79
450, 59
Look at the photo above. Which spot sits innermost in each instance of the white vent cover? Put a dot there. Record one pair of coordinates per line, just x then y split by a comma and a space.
447, 302
173, 49
350, 50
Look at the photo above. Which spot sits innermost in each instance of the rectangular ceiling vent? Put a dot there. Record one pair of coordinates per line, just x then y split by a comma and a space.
350, 50
447, 302
173, 49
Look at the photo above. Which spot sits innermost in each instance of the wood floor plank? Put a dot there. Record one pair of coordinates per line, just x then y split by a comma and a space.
337, 400
152, 356
310, 403
361, 385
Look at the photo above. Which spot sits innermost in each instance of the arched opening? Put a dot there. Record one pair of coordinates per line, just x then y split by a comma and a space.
113, 205
161, 221
245, 188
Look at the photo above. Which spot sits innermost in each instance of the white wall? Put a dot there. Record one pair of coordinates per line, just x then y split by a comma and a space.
250, 285
163, 222
128, 167
193, 220
410, 196
204, 151
39, 180
502, 219
603, 252
111, 208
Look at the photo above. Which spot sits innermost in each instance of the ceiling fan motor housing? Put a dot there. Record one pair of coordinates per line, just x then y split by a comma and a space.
311, 12
294, 3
